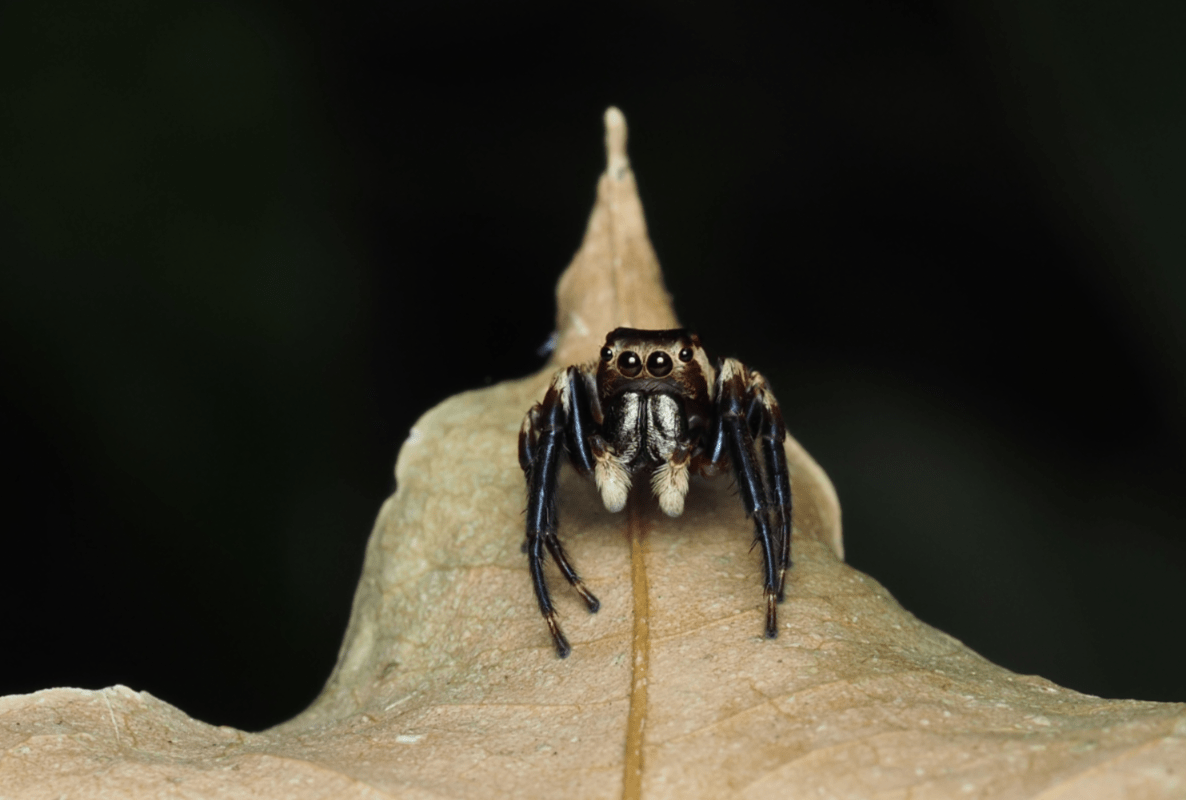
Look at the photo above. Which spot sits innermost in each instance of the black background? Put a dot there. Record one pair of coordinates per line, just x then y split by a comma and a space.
245, 244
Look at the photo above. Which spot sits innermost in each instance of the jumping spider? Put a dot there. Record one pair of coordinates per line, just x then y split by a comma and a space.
655, 403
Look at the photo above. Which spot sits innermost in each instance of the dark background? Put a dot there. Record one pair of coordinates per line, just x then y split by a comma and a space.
243, 245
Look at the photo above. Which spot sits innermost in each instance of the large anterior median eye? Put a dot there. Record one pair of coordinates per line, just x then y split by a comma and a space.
629, 364
659, 364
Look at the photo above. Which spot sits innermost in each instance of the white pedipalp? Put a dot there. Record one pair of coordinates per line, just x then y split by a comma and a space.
613, 481
669, 482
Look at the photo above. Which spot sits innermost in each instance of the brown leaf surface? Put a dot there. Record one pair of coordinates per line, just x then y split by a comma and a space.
447, 684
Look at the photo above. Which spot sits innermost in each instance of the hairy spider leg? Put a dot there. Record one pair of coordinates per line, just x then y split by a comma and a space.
541, 446
767, 428
733, 436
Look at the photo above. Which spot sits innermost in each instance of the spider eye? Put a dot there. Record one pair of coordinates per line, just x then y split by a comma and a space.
629, 364
659, 364
607, 354
685, 355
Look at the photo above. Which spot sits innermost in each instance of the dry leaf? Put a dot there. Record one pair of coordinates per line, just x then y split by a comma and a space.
447, 684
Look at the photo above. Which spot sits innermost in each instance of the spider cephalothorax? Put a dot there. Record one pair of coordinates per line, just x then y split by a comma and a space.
654, 403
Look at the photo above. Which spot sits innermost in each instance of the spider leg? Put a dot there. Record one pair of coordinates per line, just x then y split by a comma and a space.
540, 442
581, 396
529, 440
541, 446
732, 435
557, 550
768, 430
578, 429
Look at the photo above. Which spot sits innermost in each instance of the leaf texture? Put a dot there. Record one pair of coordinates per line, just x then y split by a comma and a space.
447, 685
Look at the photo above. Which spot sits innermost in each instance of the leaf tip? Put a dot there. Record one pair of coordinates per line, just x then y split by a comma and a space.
616, 160
614, 278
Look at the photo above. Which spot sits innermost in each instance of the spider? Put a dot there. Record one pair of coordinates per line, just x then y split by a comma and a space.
655, 403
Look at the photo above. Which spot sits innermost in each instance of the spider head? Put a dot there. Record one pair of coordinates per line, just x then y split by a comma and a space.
670, 361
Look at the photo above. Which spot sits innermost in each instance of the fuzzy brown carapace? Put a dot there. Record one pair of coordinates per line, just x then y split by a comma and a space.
654, 403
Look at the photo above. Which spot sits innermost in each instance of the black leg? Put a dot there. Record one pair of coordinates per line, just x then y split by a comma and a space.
570, 574
535, 562
547, 432
580, 419
529, 440
541, 446
768, 430
743, 454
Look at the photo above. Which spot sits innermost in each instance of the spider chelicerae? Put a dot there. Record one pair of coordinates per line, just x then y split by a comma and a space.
655, 403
